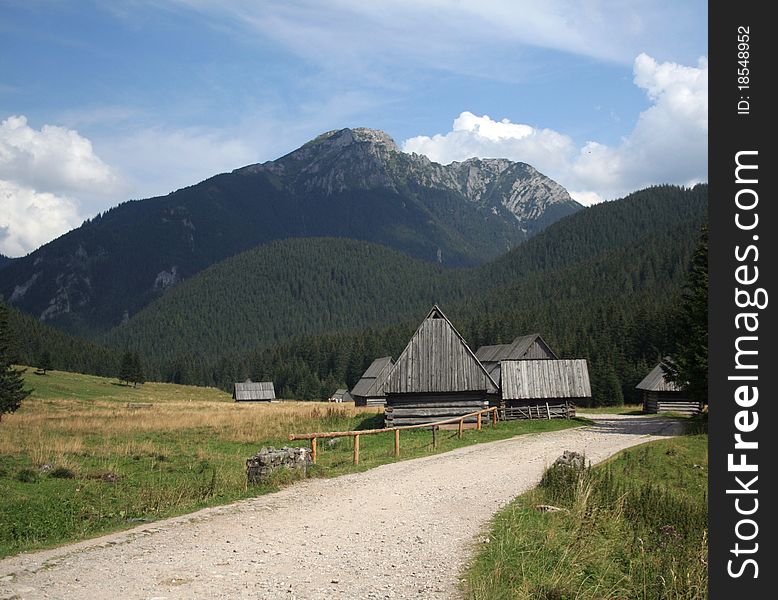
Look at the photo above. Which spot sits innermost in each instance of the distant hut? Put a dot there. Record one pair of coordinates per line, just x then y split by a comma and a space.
543, 388
369, 390
251, 391
436, 377
339, 395
524, 347
661, 395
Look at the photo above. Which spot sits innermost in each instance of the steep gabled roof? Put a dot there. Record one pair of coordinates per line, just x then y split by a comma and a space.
513, 351
544, 378
655, 382
371, 385
249, 390
437, 359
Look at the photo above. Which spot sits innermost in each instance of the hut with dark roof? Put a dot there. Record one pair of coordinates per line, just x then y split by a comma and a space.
340, 395
543, 388
436, 377
254, 391
661, 395
524, 347
369, 390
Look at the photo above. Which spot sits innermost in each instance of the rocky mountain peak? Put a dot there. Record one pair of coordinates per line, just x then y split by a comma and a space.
340, 138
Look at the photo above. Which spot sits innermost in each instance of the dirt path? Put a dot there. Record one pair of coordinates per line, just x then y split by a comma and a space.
402, 530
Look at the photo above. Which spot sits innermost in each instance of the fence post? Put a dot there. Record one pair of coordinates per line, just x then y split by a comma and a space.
494, 418
461, 427
313, 450
397, 442
356, 449
478, 422
434, 437
548, 411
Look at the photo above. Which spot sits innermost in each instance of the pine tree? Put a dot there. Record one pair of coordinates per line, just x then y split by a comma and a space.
44, 362
689, 365
136, 370
126, 368
12, 390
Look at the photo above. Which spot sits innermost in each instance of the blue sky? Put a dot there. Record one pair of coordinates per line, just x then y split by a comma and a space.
103, 102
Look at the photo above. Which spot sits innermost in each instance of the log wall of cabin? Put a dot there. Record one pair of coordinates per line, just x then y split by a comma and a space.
415, 409
662, 402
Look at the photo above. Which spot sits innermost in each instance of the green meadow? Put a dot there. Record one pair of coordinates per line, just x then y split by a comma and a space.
632, 528
86, 455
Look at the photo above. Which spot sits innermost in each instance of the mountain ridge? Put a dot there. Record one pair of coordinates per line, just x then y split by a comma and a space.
347, 183
311, 286
480, 180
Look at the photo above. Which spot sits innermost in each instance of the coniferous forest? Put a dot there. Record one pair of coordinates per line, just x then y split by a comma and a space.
312, 313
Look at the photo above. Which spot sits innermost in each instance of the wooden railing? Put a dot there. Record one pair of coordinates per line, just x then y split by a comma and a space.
433, 426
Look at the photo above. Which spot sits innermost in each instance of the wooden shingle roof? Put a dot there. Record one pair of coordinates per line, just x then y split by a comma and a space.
254, 390
538, 379
437, 359
513, 351
655, 382
371, 385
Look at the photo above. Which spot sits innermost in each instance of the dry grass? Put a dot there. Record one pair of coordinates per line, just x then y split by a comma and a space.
85, 455
47, 431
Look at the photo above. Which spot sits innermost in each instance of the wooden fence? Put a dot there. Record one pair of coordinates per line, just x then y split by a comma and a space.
538, 411
460, 420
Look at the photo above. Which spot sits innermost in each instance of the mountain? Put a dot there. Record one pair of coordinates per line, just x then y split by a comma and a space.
628, 255
603, 284
351, 183
4, 260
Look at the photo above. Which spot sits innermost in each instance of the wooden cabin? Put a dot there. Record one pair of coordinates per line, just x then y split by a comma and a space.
436, 377
369, 390
254, 391
524, 347
543, 388
661, 395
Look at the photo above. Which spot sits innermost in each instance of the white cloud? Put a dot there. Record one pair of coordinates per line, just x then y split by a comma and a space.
51, 179
52, 159
41, 174
668, 143
29, 218
472, 135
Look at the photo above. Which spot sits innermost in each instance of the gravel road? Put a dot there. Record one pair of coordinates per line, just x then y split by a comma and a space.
403, 530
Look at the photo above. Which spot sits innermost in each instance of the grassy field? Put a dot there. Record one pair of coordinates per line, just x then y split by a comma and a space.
633, 528
86, 455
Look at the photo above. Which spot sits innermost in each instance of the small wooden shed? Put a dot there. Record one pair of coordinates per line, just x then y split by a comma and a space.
369, 390
661, 395
436, 377
340, 395
543, 388
524, 347
254, 391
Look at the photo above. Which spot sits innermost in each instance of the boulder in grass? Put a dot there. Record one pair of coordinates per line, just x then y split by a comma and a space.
268, 460
573, 460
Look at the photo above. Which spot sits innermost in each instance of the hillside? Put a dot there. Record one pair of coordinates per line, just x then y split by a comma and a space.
350, 183
621, 333
68, 352
599, 284
311, 286
282, 290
